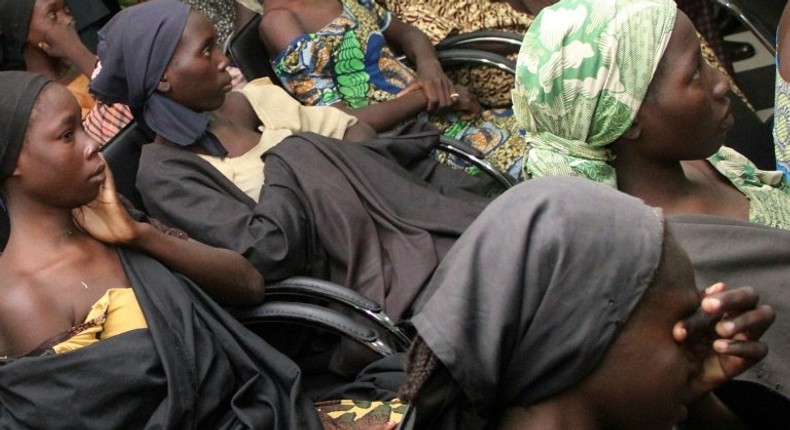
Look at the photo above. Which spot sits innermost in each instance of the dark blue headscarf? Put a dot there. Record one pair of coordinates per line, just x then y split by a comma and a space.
134, 50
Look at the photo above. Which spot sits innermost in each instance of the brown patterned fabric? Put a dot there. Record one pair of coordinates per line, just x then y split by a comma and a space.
441, 18
358, 414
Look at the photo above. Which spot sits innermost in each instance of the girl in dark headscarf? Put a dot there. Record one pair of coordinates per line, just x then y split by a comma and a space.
317, 206
580, 312
40, 36
95, 335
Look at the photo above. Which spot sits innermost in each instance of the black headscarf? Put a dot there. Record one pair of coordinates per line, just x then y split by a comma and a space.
18, 92
14, 27
531, 296
134, 50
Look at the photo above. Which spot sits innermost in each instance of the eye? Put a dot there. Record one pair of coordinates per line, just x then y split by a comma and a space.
52, 16
67, 135
697, 75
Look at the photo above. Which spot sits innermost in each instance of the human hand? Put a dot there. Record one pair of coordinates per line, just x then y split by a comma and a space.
436, 86
61, 39
105, 218
724, 334
465, 103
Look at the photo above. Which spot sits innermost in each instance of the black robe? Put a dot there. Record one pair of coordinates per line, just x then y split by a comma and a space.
194, 367
376, 217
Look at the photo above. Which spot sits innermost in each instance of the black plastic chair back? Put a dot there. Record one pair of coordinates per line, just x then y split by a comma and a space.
123, 158
249, 54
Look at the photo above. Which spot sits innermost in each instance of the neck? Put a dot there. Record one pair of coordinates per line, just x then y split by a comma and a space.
559, 413
39, 226
659, 183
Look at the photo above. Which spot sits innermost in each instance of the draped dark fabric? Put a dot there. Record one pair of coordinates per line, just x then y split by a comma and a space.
376, 217
194, 367
746, 254
531, 296
14, 27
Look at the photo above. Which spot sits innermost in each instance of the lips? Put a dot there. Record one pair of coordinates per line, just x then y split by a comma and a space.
728, 121
98, 173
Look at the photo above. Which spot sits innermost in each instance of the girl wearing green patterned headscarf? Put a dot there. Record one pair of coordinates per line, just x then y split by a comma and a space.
616, 91
583, 71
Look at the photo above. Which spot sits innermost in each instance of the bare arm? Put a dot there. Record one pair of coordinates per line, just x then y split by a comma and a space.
417, 48
359, 132
223, 274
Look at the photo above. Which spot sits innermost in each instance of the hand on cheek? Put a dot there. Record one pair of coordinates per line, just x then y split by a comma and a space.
726, 332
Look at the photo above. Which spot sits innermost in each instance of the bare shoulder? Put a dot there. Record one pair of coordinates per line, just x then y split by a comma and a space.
279, 27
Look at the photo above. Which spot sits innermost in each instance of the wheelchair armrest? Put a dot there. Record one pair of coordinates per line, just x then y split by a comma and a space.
471, 57
304, 287
475, 157
481, 37
312, 316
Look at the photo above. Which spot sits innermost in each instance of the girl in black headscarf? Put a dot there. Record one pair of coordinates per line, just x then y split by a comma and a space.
93, 333
41, 36
580, 312
351, 213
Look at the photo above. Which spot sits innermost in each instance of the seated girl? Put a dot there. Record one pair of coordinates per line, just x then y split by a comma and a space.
96, 334
591, 320
333, 52
617, 92
40, 36
347, 212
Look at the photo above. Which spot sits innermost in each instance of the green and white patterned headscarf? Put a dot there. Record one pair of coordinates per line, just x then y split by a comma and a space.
582, 74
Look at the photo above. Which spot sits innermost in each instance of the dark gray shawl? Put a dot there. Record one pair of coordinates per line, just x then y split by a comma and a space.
532, 295
347, 212
194, 367
746, 254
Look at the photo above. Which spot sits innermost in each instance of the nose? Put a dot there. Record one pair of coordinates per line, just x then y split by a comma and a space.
90, 146
721, 85
223, 61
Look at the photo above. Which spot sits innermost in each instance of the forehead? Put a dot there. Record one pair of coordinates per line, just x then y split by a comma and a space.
54, 102
683, 43
47, 4
197, 30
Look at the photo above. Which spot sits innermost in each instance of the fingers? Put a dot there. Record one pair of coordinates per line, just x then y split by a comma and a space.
736, 300
749, 325
748, 350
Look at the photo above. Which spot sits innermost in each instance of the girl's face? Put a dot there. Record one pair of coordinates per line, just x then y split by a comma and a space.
197, 75
46, 14
644, 379
688, 94
59, 164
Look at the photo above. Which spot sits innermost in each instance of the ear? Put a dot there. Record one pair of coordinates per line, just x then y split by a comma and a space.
634, 132
163, 85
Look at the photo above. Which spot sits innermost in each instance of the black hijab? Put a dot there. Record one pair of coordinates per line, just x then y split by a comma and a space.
14, 27
18, 93
531, 296
134, 50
